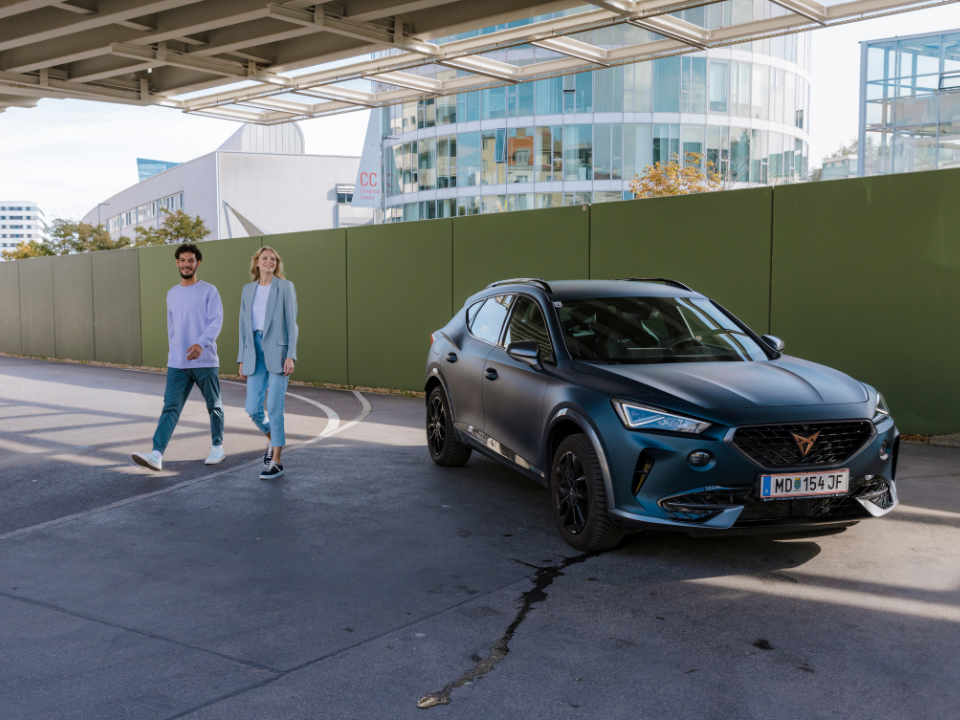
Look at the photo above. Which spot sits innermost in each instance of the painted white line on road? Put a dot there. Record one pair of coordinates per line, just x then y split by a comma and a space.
327, 432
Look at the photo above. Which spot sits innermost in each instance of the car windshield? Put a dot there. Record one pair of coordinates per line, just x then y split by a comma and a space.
634, 330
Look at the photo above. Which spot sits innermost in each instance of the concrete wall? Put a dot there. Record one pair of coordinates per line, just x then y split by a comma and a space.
862, 275
717, 243
37, 334
10, 308
866, 278
73, 307
116, 306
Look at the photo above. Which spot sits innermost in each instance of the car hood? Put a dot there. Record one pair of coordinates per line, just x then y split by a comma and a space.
783, 382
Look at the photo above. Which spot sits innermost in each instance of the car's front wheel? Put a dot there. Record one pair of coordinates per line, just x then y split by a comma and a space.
579, 498
443, 440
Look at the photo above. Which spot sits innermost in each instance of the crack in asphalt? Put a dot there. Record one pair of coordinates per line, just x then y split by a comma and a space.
542, 579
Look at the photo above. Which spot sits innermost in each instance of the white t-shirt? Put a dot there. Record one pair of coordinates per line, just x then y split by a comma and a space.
260, 306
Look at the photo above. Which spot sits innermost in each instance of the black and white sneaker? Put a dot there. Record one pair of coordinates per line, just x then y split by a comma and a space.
272, 471
268, 455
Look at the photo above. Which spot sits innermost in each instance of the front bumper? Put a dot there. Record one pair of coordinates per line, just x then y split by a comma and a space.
722, 495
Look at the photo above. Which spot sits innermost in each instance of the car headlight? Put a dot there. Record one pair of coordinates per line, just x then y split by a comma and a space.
883, 412
642, 417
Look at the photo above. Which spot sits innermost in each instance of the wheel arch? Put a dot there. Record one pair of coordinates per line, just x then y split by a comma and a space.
567, 421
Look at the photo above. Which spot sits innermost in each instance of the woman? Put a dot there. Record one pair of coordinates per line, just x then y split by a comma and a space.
268, 348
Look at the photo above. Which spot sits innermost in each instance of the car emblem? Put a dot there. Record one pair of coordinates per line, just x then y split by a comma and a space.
805, 444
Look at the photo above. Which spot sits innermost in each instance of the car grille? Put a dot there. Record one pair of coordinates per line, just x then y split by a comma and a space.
774, 446
699, 507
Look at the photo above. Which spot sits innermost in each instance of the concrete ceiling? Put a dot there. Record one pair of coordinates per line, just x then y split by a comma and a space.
238, 59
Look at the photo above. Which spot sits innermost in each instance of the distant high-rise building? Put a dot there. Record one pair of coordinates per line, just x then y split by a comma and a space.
20, 221
149, 168
909, 104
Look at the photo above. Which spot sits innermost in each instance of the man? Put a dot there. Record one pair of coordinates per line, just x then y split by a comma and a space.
194, 319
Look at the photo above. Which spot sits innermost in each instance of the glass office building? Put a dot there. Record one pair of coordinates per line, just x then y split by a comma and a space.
149, 168
910, 104
582, 138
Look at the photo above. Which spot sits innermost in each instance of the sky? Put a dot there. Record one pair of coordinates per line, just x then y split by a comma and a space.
69, 155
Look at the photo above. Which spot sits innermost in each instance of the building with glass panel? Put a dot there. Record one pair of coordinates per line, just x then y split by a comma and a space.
909, 104
149, 168
582, 138
20, 221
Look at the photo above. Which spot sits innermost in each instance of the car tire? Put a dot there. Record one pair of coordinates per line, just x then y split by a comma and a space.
443, 441
579, 499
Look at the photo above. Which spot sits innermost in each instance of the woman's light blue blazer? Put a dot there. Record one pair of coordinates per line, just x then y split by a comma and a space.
279, 327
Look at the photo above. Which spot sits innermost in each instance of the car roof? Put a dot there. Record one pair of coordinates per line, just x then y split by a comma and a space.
580, 289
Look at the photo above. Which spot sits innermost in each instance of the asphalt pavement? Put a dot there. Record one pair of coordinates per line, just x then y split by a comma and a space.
368, 578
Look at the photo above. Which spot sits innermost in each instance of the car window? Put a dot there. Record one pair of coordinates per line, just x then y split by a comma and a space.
488, 321
527, 323
653, 330
472, 313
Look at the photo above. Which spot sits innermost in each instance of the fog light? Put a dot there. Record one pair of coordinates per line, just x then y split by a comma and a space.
698, 458
884, 450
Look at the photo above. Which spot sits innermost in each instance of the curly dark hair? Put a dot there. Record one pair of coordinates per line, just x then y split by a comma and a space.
189, 248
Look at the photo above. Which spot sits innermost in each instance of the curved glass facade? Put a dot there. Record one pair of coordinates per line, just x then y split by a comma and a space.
582, 138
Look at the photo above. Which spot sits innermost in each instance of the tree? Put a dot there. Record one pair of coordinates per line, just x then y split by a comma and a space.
175, 228
664, 180
29, 249
68, 236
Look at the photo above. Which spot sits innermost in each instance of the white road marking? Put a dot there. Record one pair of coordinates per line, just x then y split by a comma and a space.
333, 428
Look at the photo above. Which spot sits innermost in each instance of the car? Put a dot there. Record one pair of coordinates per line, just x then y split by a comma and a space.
645, 405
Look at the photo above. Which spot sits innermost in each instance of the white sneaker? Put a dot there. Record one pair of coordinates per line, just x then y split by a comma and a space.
215, 457
152, 460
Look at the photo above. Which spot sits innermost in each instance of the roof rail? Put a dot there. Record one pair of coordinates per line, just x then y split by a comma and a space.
665, 281
536, 281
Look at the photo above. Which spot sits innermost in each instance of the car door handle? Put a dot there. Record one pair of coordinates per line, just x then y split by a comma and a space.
451, 357
491, 374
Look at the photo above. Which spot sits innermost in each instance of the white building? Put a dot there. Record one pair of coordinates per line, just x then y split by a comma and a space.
259, 182
20, 221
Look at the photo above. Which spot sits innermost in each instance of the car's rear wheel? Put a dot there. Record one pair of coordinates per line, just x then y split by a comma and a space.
443, 440
579, 498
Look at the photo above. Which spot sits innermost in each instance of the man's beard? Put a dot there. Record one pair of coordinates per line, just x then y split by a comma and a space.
187, 273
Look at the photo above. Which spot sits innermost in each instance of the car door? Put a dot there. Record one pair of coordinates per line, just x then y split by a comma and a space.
513, 391
463, 365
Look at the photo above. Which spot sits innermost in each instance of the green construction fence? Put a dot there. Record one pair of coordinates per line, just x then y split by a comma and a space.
862, 275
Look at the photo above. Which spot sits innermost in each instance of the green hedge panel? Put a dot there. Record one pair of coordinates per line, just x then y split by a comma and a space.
316, 262
225, 265
158, 273
717, 243
399, 290
73, 307
116, 306
10, 304
37, 333
866, 279
553, 244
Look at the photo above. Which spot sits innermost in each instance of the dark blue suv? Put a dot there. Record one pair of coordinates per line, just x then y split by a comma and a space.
641, 403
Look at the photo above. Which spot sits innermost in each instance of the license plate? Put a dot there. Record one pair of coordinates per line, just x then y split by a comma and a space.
835, 482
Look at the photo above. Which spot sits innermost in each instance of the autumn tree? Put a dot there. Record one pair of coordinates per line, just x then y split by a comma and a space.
28, 249
175, 228
68, 236
672, 178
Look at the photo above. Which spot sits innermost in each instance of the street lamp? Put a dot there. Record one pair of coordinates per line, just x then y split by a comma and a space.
98, 211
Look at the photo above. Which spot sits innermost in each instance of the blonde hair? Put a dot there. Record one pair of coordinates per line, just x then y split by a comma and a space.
254, 264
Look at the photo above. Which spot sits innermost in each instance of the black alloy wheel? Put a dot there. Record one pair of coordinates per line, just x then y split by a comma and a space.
573, 498
446, 447
579, 498
436, 425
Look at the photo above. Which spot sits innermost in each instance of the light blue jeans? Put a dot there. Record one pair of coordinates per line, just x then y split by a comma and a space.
261, 383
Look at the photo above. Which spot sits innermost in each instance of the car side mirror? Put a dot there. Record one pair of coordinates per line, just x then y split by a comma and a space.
527, 352
774, 342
